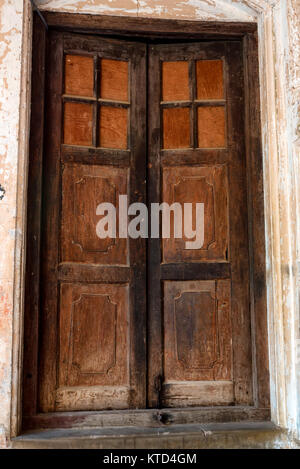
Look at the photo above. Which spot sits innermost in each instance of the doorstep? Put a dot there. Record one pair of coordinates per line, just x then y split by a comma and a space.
254, 435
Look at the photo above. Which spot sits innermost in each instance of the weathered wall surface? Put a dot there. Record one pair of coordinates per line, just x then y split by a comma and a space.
11, 29
182, 9
280, 115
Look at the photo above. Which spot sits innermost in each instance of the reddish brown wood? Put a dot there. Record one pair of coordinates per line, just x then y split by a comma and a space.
175, 81
207, 184
94, 321
197, 343
222, 188
256, 223
209, 75
176, 127
211, 127
148, 27
84, 187
48, 338
78, 123
79, 75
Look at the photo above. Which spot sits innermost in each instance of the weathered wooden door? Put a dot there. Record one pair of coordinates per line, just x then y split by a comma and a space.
110, 339
199, 318
93, 313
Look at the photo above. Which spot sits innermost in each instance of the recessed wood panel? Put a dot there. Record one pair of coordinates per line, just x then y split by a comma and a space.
199, 184
78, 123
113, 127
79, 75
197, 331
93, 335
176, 128
114, 80
198, 393
211, 127
175, 81
84, 188
209, 74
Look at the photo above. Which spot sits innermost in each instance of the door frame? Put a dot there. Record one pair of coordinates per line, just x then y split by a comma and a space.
155, 30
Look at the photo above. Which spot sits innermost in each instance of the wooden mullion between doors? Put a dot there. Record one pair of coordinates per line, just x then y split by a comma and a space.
155, 339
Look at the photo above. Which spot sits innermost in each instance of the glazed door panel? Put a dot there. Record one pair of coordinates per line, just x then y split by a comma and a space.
93, 313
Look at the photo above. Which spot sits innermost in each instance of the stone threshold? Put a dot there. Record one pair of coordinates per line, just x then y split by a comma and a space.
233, 435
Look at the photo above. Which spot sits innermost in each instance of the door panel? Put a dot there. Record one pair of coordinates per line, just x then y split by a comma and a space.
201, 301
94, 343
197, 343
93, 334
206, 184
84, 187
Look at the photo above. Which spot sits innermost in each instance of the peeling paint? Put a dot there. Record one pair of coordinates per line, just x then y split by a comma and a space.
2, 192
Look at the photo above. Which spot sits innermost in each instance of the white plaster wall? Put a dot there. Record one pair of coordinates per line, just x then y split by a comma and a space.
11, 29
182, 9
279, 33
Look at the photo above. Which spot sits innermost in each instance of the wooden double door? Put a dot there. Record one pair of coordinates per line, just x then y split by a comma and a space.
137, 323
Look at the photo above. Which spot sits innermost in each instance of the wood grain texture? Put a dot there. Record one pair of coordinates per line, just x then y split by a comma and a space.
113, 127
72, 272
78, 123
84, 187
175, 81
238, 232
176, 128
198, 184
114, 79
211, 127
206, 393
197, 331
230, 209
209, 76
79, 75
94, 345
